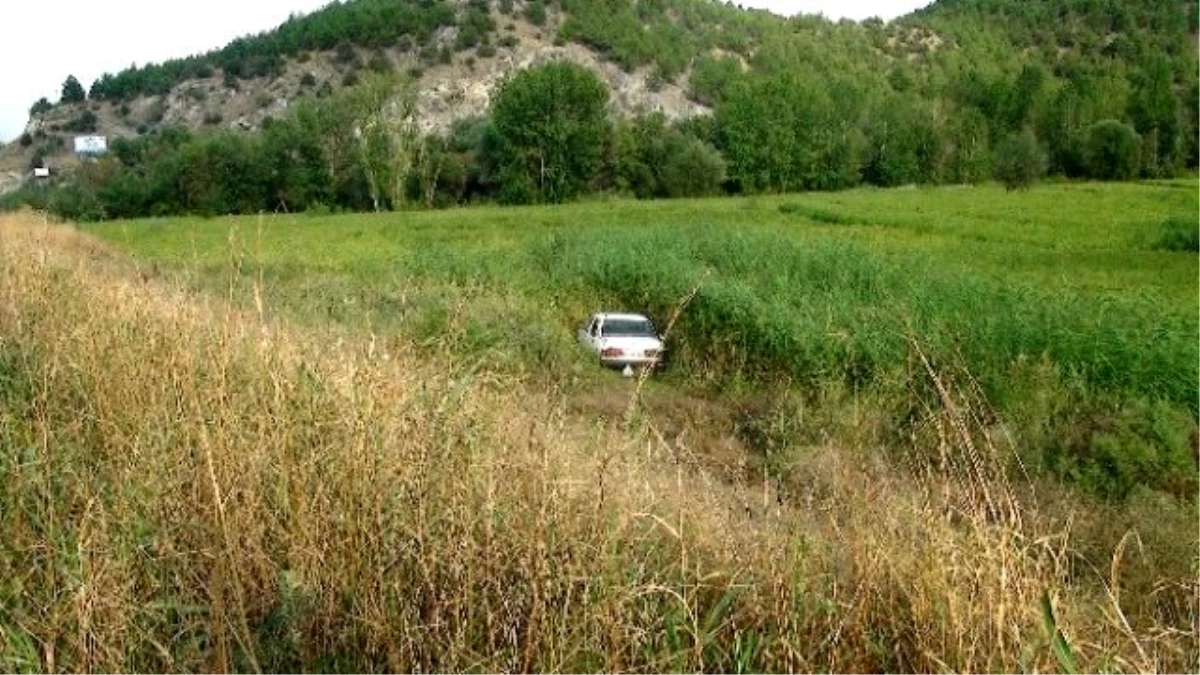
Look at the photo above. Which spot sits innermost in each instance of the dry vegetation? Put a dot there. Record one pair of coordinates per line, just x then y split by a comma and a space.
185, 486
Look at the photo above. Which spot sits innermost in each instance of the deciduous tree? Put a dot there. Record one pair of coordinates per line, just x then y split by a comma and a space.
551, 125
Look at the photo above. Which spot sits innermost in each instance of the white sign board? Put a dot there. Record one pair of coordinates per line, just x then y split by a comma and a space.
41, 172
91, 145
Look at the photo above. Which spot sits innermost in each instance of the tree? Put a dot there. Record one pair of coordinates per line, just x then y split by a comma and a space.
41, 106
903, 144
1113, 150
1019, 160
653, 159
693, 168
72, 91
551, 129
1154, 113
785, 132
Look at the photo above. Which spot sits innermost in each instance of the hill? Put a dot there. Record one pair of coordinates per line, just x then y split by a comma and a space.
945, 95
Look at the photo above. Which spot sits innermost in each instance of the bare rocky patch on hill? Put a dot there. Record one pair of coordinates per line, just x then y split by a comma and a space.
457, 85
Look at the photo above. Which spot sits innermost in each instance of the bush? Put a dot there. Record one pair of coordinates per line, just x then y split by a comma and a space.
692, 169
43, 105
26, 140
468, 36
85, 122
1179, 234
380, 63
1020, 161
535, 13
308, 80
1110, 449
344, 53
1112, 151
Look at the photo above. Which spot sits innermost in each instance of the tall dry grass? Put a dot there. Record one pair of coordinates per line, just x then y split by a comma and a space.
185, 486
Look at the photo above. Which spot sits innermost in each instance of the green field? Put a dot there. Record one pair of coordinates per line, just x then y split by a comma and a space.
905, 431
1065, 304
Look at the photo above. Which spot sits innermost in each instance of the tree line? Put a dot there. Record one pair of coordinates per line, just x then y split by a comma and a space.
548, 137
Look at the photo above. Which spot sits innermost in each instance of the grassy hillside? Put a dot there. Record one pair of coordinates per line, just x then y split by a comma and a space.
961, 92
1066, 305
191, 484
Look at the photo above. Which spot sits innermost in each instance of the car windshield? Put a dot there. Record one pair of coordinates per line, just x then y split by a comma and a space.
628, 328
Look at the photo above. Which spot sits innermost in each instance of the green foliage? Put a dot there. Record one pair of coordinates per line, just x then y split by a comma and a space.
904, 144
345, 53
786, 133
72, 91
712, 77
367, 24
312, 155
1113, 151
1019, 161
1179, 234
42, 105
535, 12
961, 92
655, 160
550, 126
1111, 447
474, 27
1092, 371
84, 122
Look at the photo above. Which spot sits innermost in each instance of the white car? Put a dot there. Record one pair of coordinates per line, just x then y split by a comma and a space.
622, 339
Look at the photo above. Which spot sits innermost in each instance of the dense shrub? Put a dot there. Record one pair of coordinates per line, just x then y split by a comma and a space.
1112, 151
535, 12
84, 122
1113, 446
42, 105
1020, 161
1179, 234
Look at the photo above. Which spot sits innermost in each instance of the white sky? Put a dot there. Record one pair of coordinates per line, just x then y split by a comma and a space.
47, 40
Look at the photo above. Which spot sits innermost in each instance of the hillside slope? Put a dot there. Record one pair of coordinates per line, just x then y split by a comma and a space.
930, 98
454, 81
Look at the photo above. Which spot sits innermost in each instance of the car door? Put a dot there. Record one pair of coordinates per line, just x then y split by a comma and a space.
589, 333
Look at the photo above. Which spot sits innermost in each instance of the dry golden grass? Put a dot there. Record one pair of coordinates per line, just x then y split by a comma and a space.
185, 487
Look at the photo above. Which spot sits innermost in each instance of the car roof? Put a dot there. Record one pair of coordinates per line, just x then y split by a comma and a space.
620, 315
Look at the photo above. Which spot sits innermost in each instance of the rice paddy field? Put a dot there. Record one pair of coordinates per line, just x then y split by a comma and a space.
902, 430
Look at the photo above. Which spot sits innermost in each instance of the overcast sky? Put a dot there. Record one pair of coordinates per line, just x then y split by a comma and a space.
47, 40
